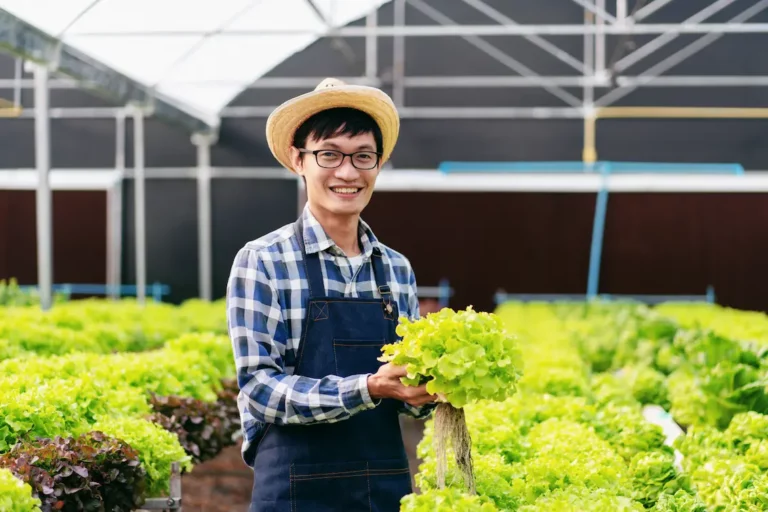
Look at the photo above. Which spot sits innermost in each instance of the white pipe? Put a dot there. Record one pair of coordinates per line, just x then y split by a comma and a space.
139, 205
466, 30
115, 209
600, 43
398, 57
204, 219
44, 199
371, 47
621, 12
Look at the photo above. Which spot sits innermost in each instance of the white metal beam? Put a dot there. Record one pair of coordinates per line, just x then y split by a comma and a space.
371, 47
428, 180
446, 112
115, 214
139, 202
204, 215
497, 54
398, 57
621, 12
679, 56
571, 29
44, 200
431, 181
589, 64
600, 43
545, 45
662, 40
440, 82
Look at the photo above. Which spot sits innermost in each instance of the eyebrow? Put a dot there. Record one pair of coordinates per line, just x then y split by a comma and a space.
332, 145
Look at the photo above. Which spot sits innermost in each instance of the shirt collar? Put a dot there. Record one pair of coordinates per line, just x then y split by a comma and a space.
317, 240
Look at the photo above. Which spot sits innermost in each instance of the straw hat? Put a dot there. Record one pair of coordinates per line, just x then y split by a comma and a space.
330, 93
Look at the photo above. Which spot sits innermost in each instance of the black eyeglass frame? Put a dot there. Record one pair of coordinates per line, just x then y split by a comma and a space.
343, 155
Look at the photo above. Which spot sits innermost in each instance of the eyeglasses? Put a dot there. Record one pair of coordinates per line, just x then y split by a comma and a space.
331, 158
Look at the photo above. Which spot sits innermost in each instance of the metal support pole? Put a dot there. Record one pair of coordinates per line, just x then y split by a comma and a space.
115, 213
371, 46
204, 222
139, 205
17, 81
398, 62
600, 43
44, 199
589, 155
621, 12
589, 62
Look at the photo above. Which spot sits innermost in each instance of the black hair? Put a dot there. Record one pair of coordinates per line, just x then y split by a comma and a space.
337, 121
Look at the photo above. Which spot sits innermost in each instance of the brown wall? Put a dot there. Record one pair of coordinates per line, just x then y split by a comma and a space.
79, 236
539, 243
523, 243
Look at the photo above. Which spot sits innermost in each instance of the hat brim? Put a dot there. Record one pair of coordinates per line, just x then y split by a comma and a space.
288, 117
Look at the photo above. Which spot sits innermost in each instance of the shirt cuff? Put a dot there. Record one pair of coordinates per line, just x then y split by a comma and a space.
355, 395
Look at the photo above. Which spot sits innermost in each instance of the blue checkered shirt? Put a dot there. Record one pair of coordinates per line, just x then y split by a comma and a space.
265, 312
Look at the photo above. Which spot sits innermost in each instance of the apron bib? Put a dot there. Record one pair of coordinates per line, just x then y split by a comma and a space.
355, 465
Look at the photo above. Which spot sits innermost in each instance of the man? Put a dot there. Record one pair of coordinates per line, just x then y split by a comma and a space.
309, 307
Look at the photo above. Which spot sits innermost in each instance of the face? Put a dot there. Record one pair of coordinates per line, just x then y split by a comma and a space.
344, 190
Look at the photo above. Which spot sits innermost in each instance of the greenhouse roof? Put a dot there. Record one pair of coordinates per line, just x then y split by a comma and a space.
192, 58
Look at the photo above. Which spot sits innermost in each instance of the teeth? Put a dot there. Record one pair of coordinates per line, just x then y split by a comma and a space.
345, 190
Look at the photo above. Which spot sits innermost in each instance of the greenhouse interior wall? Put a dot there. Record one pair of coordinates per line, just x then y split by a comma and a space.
521, 242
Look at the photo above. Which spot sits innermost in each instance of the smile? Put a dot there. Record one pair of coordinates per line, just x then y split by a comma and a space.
346, 191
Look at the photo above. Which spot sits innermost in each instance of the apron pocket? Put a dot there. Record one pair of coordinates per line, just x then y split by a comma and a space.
390, 481
330, 487
355, 357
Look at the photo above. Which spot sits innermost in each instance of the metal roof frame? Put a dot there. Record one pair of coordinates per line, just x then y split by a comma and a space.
31, 43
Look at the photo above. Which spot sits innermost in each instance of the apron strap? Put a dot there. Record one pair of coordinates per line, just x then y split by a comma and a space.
315, 273
380, 274
311, 264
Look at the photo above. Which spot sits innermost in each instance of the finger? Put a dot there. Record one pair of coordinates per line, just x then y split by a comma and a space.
398, 371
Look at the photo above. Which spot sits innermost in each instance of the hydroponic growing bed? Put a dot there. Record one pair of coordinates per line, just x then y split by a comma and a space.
100, 400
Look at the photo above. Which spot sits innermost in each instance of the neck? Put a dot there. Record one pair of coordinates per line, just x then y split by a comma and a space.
341, 228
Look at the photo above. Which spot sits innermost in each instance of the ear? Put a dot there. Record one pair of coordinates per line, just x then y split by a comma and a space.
297, 160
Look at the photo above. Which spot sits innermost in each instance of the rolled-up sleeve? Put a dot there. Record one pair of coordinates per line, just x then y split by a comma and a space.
259, 338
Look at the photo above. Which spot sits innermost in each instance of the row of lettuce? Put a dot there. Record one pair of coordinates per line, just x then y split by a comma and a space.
100, 398
578, 435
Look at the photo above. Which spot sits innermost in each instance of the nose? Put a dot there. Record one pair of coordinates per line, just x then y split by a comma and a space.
346, 171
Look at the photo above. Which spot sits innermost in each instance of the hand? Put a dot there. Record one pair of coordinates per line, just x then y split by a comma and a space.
385, 383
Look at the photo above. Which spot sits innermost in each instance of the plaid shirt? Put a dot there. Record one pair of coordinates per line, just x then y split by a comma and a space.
265, 314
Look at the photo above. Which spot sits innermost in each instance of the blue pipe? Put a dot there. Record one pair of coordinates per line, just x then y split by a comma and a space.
156, 290
581, 167
444, 293
598, 231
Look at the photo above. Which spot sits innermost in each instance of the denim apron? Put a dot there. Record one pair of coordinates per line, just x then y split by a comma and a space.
357, 464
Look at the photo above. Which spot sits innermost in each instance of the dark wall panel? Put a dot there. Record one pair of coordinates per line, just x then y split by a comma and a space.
171, 241
79, 236
680, 243
243, 210
539, 243
532, 243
